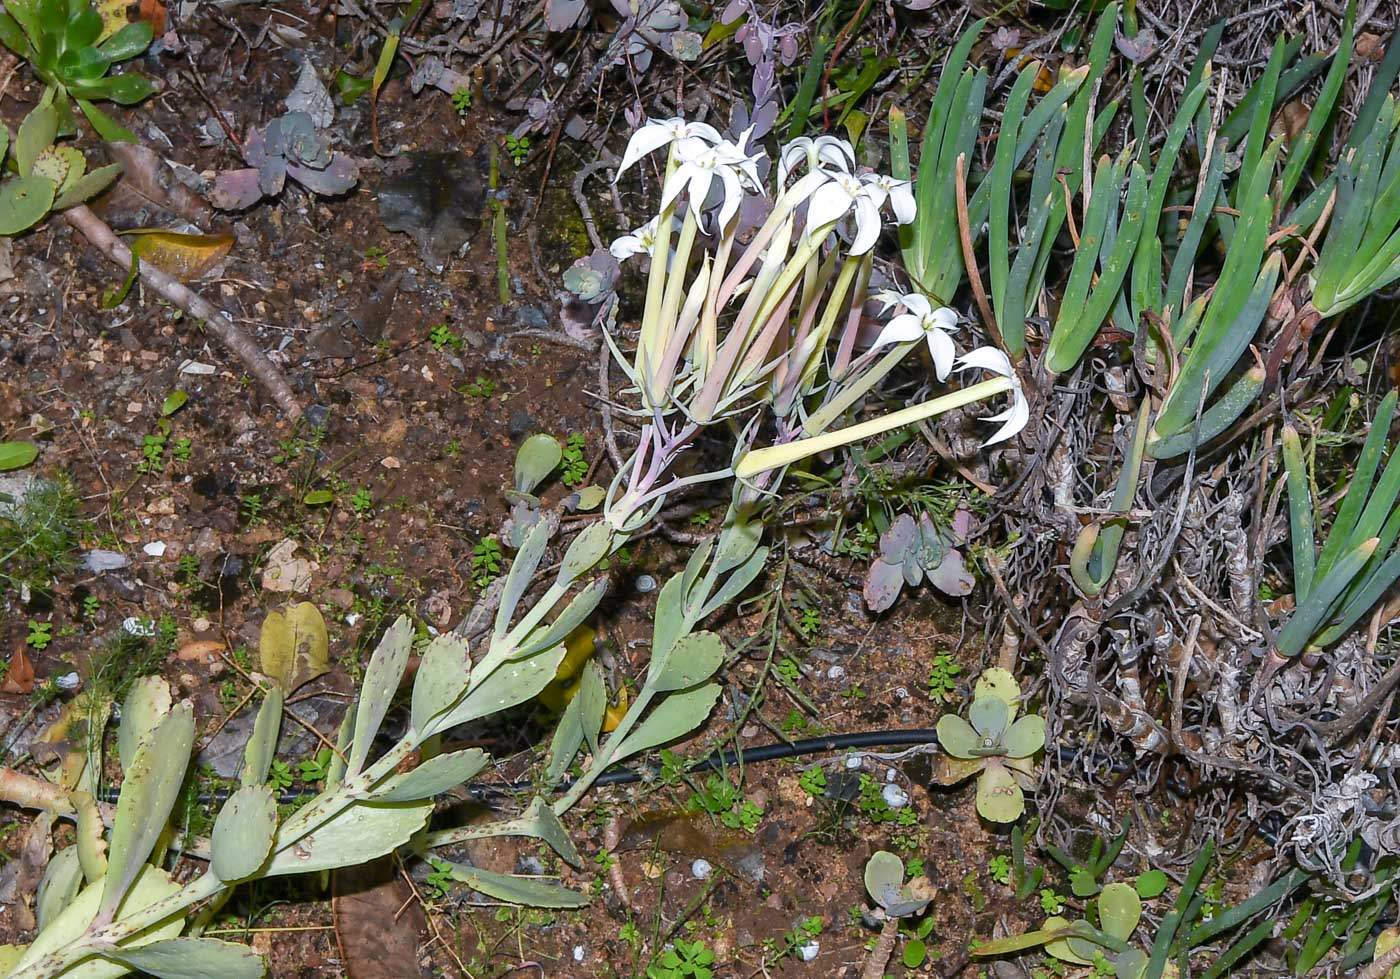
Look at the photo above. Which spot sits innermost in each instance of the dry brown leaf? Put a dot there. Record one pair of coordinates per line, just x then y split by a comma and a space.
19, 678
203, 650
187, 257
1370, 47
379, 923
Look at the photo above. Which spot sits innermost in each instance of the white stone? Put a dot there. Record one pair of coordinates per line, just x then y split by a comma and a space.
701, 869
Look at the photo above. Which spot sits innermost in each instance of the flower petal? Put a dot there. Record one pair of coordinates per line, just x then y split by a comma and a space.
901, 329
988, 359
704, 131
829, 204
1015, 417
918, 304
837, 152
945, 318
902, 202
625, 247
684, 174
733, 196
792, 154
941, 349
867, 226
648, 139
700, 187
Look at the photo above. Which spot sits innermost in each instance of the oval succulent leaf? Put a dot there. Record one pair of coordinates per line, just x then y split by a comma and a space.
1025, 737
1120, 909
884, 877
957, 736
243, 832
990, 717
997, 682
999, 798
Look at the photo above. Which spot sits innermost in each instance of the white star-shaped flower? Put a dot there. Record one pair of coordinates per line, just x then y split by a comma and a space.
1015, 417
639, 242
702, 163
923, 320
822, 152
656, 133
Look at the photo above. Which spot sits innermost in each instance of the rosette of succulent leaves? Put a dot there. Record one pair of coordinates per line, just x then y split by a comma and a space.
993, 744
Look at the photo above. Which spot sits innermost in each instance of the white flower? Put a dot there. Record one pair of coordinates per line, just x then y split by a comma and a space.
701, 163
844, 194
922, 320
1015, 417
639, 242
656, 133
899, 192
827, 150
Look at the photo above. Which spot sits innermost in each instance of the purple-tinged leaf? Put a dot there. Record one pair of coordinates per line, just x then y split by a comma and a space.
951, 577
342, 175
272, 175
883, 583
902, 536
560, 15
235, 190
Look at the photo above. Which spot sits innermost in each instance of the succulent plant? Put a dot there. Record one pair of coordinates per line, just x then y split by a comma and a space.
592, 277
1120, 909
288, 146
64, 42
911, 552
49, 177
884, 879
993, 744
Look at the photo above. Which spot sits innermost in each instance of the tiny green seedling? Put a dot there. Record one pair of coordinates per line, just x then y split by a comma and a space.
574, 466
999, 868
684, 960
442, 335
315, 769
942, 678
462, 101
362, 502
486, 562
480, 388
518, 148
40, 634
813, 781
993, 745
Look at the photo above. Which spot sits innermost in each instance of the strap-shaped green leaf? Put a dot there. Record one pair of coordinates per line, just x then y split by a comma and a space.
529, 891
1300, 513
1216, 418
1301, 151
433, 777
1184, 261
357, 834
1327, 588
509, 685
1339, 537
998, 183
677, 715
573, 616
262, 743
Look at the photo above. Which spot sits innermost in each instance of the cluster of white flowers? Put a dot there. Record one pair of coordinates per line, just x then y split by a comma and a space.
839, 198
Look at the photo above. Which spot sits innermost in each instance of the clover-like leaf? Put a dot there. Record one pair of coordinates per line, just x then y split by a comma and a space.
999, 798
997, 682
1025, 737
1120, 910
958, 737
990, 717
884, 877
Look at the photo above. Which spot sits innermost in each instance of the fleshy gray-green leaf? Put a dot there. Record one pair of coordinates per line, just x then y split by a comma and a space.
442, 677
434, 776
539, 456
517, 890
884, 877
60, 884
358, 834
694, 659
510, 685
381, 682
243, 833
149, 791
592, 544
148, 703
262, 743
677, 715
193, 958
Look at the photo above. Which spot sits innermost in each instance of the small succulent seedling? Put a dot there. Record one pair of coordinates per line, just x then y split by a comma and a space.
994, 745
71, 47
288, 146
1120, 909
896, 898
911, 552
50, 178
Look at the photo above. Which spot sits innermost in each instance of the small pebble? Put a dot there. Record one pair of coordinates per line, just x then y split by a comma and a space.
701, 869
352, 618
836, 673
809, 951
578, 953
155, 548
890, 775
854, 761
69, 681
894, 796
